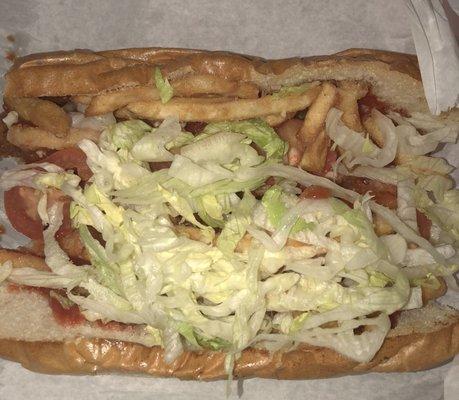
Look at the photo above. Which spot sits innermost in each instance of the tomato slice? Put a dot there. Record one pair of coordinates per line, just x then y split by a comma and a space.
315, 192
71, 158
332, 156
383, 193
21, 209
424, 224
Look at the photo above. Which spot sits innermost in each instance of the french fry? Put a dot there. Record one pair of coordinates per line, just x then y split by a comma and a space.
209, 111
31, 138
42, 113
371, 127
188, 86
274, 120
192, 85
348, 94
312, 134
111, 101
315, 154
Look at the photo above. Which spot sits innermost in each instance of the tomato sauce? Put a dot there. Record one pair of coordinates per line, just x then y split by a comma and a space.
195, 127
370, 101
424, 224
383, 193
315, 192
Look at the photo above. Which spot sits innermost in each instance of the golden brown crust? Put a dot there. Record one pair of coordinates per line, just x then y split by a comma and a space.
84, 72
412, 352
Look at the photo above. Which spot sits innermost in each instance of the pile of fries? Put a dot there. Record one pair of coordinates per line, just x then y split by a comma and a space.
204, 98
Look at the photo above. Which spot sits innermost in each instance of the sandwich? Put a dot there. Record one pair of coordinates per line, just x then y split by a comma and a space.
206, 215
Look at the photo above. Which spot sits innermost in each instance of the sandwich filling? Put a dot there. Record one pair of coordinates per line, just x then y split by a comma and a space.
231, 234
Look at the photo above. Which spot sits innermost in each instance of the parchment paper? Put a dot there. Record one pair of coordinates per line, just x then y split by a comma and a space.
267, 28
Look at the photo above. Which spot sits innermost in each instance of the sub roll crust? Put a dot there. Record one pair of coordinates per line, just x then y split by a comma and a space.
86, 91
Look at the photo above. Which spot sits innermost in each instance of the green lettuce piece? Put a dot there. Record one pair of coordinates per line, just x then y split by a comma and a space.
165, 89
124, 135
106, 270
255, 129
276, 209
378, 279
215, 343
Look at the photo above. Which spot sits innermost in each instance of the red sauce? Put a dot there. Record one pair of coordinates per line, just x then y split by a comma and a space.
383, 193
66, 316
195, 127
12, 288
370, 101
394, 317
332, 156
315, 192
159, 165
424, 224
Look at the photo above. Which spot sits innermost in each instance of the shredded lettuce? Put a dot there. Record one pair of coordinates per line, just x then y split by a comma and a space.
206, 254
255, 129
165, 89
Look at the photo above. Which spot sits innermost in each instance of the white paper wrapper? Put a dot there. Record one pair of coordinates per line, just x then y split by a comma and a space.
438, 53
266, 28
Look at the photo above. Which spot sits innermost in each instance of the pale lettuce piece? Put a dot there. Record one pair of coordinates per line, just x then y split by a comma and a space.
222, 148
197, 175
413, 143
227, 186
56, 259
425, 121
362, 150
415, 299
152, 146
406, 206
10, 119
32, 277
396, 246
5, 270
360, 221
255, 129
110, 170
404, 230
26, 175
166, 92
445, 212
389, 175
416, 257
124, 135
428, 165
101, 310
236, 225
360, 348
